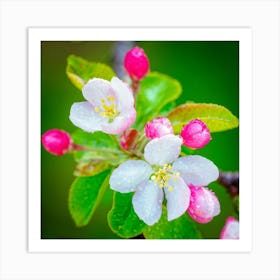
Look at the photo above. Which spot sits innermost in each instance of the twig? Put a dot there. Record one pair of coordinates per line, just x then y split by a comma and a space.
230, 180
119, 51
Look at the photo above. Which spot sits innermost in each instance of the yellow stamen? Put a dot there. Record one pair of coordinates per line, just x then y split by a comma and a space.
163, 175
110, 98
107, 110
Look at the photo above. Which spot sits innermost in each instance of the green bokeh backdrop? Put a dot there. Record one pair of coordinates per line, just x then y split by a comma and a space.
207, 71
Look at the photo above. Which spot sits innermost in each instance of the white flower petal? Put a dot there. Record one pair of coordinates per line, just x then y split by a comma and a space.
120, 123
230, 229
147, 202
123, 94
178, 199
96, 89
129, 175
163, 150
83, 116
196, 170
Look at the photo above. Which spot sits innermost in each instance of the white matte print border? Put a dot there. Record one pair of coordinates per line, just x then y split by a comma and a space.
36, 35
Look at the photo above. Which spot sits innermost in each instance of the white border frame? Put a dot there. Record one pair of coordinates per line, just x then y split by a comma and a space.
262, 16
243, 35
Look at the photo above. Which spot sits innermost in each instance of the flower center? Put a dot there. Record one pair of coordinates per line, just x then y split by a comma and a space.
163, 174
108, 108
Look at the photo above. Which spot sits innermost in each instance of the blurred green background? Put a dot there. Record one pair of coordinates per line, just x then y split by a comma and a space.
208, 72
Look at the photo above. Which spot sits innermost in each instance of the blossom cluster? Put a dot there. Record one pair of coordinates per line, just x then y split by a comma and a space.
161, 174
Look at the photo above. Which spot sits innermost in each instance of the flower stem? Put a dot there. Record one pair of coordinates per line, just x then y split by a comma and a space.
135, 85
76, 147
143, 142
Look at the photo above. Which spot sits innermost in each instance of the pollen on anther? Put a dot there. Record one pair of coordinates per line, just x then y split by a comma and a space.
170, 188
176, 179
110, 98
96, 109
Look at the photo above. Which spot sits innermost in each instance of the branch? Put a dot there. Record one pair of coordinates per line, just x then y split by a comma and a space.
119, 51
230, 180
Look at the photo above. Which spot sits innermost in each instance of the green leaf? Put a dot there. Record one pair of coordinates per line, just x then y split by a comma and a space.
96, 140
235, 202
85, 195
181, 228
90, 167
79, 71
98, 145
167, 108
122, 218
156, 91
187, 151
216, 117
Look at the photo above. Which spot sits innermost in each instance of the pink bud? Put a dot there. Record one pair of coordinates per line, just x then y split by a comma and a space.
195, 134
230, 229
136, 63
56, 141
204, 205
158, 127
127, 140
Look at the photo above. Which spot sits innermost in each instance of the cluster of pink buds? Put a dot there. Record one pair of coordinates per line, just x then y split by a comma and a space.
57, 142
195, 134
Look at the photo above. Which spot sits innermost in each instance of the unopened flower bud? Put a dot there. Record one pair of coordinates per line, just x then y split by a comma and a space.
230, 229
136, 63
195, 134
127, 140
57, 142
204, 205
158, 127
